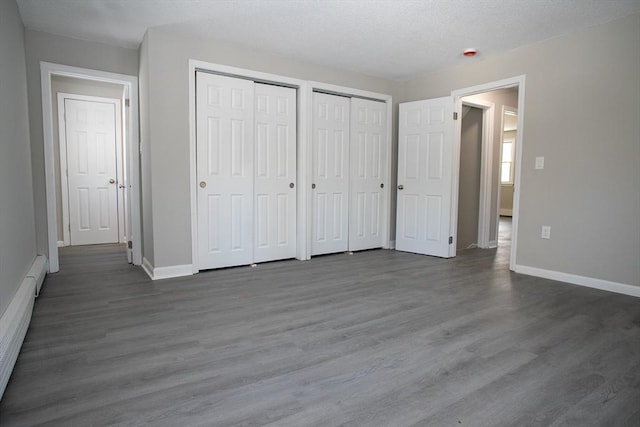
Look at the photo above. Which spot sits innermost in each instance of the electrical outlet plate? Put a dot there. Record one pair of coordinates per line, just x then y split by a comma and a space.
546, 232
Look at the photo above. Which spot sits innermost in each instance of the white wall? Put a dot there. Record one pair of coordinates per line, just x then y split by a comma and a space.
166, 144
66, 51
17, 231
582, 113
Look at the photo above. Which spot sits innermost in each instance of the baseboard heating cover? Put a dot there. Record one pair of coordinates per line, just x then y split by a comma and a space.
38, 271
13, 328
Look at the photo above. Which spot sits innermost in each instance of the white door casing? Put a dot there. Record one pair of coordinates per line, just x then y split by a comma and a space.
92, 176
330, 176
275, 173
369, 148
425, 159
224, 153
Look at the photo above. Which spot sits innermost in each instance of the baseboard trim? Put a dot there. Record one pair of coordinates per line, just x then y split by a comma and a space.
590, 282
159, 273
13, 328
392, 244
38, 271
61, 244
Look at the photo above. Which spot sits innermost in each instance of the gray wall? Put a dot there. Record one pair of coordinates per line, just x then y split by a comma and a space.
17, 232
145, 155
63, 84
66, 51
166, 55
469, 182
582, 113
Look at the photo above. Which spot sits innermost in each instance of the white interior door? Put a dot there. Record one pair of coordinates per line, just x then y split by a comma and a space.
425, 160
90, 131
225, 170
368, 157
275, 173
330, 185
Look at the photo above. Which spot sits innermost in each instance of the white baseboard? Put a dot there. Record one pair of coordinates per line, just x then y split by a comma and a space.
392, 244
158, 273
13, 328
506, 212
493, 244
590, 282
61, 244
38, 271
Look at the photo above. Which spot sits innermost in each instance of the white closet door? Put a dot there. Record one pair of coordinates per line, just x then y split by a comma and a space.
425, 160
225, 170
90, 130
369, 151
330, 216
275, 173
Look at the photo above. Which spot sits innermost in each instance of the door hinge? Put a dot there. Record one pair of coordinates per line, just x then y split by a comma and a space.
455, 115
126, 102
450, 240
130, 244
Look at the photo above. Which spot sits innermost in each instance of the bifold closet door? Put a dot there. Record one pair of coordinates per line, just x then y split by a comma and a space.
368, 160
275, 173
330, 188
225, 170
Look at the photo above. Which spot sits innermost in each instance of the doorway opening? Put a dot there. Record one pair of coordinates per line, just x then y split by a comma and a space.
488, 149
121, 92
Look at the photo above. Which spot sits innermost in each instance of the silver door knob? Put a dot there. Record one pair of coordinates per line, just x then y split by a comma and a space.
400, 187
112, 181
203, 184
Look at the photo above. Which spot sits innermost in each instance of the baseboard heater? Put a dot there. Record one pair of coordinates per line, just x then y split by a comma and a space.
16, 318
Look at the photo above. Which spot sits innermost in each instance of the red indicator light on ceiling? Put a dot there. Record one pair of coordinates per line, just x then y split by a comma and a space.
470, 52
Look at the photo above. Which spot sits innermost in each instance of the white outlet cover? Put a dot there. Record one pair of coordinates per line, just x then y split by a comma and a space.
546, 232
540, 162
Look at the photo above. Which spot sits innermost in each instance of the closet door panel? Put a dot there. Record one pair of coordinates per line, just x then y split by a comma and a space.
369, 156
275, 173
330, 159
225, 165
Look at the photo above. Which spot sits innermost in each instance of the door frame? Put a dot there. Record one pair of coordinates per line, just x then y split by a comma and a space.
511, 109
486, 165
331, 89
64, 178
131, 147
301, 102
517, 81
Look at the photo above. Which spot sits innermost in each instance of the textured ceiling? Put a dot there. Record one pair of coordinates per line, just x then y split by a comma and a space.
396, 39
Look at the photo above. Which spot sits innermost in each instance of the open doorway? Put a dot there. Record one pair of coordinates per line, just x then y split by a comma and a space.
484, 198
117, 94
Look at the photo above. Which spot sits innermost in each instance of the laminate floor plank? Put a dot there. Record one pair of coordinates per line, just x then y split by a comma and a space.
377, 338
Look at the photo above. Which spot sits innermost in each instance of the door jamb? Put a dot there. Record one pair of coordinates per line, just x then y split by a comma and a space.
64, 179
132, 143
518, 81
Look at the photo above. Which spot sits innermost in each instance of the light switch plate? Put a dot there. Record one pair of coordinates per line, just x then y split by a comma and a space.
540, 162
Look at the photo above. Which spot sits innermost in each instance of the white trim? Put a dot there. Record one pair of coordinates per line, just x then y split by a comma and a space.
47, 71
351, 92
62, 153
169, 272
38, 271
590, 282
493, 244
486, 166
61, 244
518, 81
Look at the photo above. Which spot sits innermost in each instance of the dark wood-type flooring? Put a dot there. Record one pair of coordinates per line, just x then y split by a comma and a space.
378, 338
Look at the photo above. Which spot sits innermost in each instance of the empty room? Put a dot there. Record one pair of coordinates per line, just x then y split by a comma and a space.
320, 212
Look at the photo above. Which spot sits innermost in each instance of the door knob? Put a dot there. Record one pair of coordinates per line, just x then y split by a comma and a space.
291, 185
382, 185
400, 187
112, 181
313, 186
203, 184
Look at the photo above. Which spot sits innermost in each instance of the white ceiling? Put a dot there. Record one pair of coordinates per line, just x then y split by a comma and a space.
396, 39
